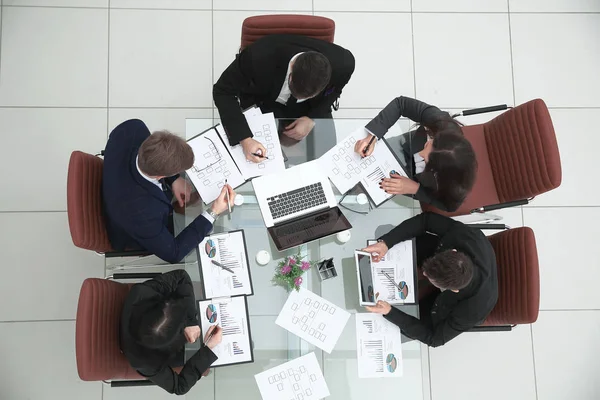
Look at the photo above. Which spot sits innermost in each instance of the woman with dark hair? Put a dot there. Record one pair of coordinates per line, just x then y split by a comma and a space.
442, 163
158, 319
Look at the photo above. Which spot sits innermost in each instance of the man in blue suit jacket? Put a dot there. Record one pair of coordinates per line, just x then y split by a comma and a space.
140, 176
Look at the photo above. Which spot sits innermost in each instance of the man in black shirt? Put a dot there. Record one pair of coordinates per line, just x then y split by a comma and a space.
459, 261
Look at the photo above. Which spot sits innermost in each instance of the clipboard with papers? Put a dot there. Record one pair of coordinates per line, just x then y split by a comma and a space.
392, 279
227, 281
346, 169
216, 162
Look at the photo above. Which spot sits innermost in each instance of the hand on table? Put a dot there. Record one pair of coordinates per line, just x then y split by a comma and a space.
361, 144
381, 307
215, 339
300, 128
182, 191
192, 333
398, 184
377, 250
251, 147
219, 206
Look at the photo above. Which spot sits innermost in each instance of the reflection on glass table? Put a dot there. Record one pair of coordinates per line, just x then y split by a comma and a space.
273, 345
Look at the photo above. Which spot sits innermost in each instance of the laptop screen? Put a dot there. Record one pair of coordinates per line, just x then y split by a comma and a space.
309, 228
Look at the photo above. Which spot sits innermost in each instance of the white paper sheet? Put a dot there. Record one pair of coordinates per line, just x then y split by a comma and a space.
378, 347
231, 315
264, 129
398, 263
229, 250
212, 166
299, 379
313, 319
346, 168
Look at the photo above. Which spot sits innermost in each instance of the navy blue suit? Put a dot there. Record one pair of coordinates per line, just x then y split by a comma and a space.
137, 211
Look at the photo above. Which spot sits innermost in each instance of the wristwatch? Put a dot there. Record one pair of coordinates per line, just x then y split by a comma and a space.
212, 213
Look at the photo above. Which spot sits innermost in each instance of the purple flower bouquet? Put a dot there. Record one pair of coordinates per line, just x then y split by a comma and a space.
289, 271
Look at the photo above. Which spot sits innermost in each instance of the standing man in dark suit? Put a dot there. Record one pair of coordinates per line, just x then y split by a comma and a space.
140, 177
290, 75
459, 262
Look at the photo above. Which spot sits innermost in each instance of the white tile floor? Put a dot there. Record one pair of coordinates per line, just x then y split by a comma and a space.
71, 70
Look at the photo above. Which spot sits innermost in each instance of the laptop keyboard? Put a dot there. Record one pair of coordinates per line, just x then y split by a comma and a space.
296, 200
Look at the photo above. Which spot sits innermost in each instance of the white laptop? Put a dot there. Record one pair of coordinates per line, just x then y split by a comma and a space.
298, 205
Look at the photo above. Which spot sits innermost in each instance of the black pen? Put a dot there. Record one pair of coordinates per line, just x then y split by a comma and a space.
218, 264
369, 144
227, 197
260, 156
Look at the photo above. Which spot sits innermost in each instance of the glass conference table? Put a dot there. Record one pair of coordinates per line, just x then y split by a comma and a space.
274, 345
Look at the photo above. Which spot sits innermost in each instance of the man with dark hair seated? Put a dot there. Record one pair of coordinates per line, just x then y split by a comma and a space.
459, 262
292, 76
158, 319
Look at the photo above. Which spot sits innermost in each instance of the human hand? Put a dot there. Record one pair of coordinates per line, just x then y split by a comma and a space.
298, 129
251, 147
381, 307
362, 144
192, 333
216, 337
377, 250
398, 184
220, 204
181, 190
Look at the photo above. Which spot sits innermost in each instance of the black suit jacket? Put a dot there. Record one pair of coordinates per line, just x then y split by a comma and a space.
426, 115
152, 363
137, 211
257, 75
452, 313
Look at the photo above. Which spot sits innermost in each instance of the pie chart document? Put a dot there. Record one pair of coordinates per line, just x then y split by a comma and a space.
378, 347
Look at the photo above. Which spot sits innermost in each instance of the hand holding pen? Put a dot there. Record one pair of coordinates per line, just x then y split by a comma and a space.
213, 337
365, 146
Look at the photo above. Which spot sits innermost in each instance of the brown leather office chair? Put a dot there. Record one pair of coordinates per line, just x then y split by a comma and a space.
84, 206
97, 350
253, 28
518, 158
518, 279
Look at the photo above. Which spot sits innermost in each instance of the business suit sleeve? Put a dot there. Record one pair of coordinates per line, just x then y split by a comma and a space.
431, 336
426, 195
320, 107
178, 283
149, 230
191, 372
237, 78
412, 109
419, 225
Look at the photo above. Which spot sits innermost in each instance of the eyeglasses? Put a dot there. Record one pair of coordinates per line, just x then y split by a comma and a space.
213, 152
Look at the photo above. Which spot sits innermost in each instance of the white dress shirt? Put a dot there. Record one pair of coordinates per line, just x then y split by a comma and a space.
285, 93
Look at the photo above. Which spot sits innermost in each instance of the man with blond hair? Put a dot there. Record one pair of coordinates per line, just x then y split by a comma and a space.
141, 175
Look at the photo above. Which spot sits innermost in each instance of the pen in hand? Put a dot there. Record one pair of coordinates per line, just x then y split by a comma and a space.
227, 197
212, 333
369, 144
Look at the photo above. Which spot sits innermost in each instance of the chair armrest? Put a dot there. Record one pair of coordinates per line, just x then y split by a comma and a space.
127, 383
501, 205
492, 328
134, 275
483, 110
490, 226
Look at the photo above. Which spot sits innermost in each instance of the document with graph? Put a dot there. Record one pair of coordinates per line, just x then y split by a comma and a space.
378, 347
394, 275
264, 130
231, 315
346, 168
313, 319
213, 165
224, 266
298, 379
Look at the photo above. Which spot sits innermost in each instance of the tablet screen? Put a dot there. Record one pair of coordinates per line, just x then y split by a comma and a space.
365, 277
